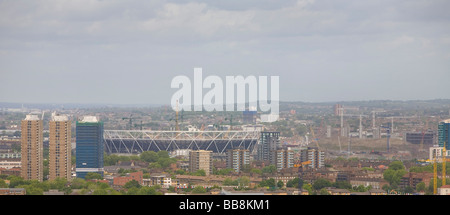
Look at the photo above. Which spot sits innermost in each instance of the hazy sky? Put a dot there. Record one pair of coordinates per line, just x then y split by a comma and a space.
90, 51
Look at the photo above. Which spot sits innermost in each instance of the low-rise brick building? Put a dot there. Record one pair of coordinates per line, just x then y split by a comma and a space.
122, 180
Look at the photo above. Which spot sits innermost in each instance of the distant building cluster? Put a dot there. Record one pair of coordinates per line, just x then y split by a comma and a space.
89, 153
236, 150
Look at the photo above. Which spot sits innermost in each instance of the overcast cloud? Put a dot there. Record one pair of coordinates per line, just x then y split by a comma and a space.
90, 51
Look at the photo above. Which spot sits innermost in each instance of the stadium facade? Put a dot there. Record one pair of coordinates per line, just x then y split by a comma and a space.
138, 141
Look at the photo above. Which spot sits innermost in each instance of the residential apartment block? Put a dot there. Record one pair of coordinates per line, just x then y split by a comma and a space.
282, 159
237, 159
60, 148
200, 160
32, 148
313, 154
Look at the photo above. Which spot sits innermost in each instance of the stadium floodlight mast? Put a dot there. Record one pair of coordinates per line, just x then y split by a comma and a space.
214, 99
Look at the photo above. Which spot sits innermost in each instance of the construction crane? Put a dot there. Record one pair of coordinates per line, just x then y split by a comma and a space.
231, 122
140, 125
435, 173
300, 172
130, 121
314, 137
341, 114
373, 116
176, 119
388, 136
423, 136
444, 160
200, 135
421, 142
230, 127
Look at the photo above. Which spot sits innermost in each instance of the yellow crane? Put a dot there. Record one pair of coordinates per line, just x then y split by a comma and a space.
300, 172
435, 174
444, 170
300, 165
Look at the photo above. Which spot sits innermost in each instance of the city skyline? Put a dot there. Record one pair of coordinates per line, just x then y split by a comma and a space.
108, 52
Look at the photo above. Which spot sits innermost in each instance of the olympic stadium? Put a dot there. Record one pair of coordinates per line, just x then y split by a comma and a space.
138, 141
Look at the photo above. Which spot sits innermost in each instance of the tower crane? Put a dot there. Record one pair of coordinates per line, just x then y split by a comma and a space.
314, 137
435, 173
423, 136
300, 166
373, 116
176, 118
130, 121
444, 170
388, 136
231, 124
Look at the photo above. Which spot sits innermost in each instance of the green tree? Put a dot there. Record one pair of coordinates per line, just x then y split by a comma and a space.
420, 187
199, 172
386, 187
268, 183
133, 191
180, 172
396, 165
408, 189
147, 191
324, 191
110, 160
15, 181
114, 192
32, 189
368, 169
100, 191
256, 171
225, 171
307, 187
93, 175
149, 156
293, 183
227, 182
3, 184
163, 154
132, 183
165, 162
154, 166
393, 176
362, 188
102, 185
199, 189
58, 183
243, 181
269, 169
78, 183
321, 183
394, 173
280, 184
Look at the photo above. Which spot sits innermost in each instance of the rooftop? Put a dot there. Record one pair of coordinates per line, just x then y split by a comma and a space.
60, 118
31, 117
89, 119
446, 121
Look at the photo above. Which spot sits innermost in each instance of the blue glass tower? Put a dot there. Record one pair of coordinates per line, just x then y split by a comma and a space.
89, 146
444, 133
